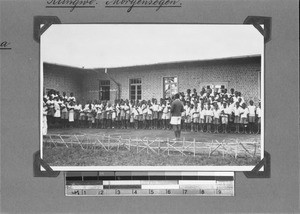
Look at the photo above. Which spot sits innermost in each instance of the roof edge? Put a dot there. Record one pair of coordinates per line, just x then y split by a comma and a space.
243, 57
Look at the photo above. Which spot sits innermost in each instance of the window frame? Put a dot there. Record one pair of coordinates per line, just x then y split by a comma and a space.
135, 82
163, 84
106, 83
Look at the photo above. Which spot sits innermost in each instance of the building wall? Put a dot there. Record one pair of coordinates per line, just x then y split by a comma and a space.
91, 86
63, 79
240, 76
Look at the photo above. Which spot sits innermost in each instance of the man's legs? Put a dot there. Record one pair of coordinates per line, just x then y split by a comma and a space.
177, 131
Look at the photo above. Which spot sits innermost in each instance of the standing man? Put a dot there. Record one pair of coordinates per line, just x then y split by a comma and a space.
176, 110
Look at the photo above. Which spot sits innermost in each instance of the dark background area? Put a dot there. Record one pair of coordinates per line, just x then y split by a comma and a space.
23, 193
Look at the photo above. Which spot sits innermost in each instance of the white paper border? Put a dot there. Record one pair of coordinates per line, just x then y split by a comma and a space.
157, 168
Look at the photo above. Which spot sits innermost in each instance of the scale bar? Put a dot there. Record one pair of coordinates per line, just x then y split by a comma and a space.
151, 183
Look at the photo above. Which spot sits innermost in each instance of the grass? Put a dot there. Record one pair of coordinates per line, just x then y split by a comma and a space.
75, 156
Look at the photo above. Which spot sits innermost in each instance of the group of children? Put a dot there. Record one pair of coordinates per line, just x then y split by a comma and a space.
211, 111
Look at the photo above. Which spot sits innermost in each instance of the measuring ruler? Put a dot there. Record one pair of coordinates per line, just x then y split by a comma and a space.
149, 183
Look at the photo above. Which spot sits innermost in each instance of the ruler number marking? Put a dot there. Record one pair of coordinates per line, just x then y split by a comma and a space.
75, 192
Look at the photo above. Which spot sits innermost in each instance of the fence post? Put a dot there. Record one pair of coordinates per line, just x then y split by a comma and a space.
168, 146
147, 144
95, 144
194, 148
159, 145
118, 145
210, 149
129, 142
52, 141
223, 153
236, 149
103, 141
88, 141
182, 146
108, 142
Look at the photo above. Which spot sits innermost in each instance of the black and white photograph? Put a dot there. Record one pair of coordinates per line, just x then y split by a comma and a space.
152, 97
151, 106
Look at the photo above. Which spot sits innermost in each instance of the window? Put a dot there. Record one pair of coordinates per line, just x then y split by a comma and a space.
135, 89
214, 85
48, 90
218, 86
104, 90
170, 86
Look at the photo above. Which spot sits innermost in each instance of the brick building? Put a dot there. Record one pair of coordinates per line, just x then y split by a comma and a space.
156, 80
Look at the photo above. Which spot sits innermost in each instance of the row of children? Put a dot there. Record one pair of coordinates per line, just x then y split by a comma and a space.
204, 112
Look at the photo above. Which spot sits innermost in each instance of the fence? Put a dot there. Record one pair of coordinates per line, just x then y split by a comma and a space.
231, 147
